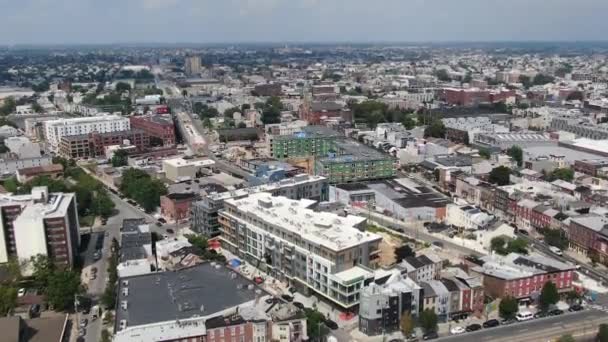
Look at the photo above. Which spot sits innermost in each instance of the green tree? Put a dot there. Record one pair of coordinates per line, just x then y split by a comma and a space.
500, 175
62, 287
518, 245
37, 108
407, 324
8, 299
497, 244
556, 237
315, 328
517, 154
139, 186
602, 333
8, 106
566, 174
548, 295
120, 158
207, 123
197, 241
229, 113
485, 153
541, 79
103, 204
106, 336
443, 75
436, 129
428, 321
42, 269
525, 81
11, 184
566, 338
508, 307
403, 252
121, 87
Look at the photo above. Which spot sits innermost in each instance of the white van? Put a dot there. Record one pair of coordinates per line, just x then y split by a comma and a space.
524, 316
555, 250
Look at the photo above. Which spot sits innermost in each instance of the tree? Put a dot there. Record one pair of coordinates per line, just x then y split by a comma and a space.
497, 245
556, 237
485, 153
120, 158
184, 93
407, 324
8, 106
517, 154
403, 252
62, 288
443, 75
241, 125
566, 338
8, 299
315, 328
229, 113
573, 296
428, 321
500, 175
207, 123
42, 268
525, 81
106, 336
519, 246
566, 174
139, 186
541, 79
436, 129
103, 204
37, 108
548, 295
11, 184
121, 87
594, 257
508, 307
602, 333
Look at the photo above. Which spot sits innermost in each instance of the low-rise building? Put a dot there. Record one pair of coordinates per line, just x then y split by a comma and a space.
179, 169
589, 234
523, 276
160, 128
52, 171
93, 145
425, 267
136, 248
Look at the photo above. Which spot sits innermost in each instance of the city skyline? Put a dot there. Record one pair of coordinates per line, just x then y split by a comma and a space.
248, 21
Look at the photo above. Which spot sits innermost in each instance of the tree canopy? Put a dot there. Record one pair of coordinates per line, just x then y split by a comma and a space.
8, 299
485, 153
407, 324
403, 252
436, 129
315, 328
120, 158
428, 320
503, 247
566, 174
271, 110
602, 333
508, 307
517, 154
139, 186
500, 175
59, 285
204, 111
548, 295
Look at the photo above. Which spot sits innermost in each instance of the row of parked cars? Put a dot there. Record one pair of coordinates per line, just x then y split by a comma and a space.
520, 317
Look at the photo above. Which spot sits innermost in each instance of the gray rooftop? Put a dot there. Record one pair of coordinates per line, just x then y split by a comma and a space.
166, 296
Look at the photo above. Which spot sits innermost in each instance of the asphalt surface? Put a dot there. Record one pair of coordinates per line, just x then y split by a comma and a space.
542, 329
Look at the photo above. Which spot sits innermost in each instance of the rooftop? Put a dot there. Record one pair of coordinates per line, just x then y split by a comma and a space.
325, 229
177, 162
288, 182
201, 290
516, 266
351, 150
84, 120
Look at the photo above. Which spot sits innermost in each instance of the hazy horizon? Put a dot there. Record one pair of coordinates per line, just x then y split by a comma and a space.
93, 22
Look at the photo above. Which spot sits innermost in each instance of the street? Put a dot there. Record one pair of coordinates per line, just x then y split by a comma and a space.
96, 287
581, 323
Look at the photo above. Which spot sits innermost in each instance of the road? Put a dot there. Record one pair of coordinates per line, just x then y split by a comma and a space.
581, 323
95, 288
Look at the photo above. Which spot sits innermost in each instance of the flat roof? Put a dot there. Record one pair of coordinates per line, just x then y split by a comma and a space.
293, 181
179, 161
201, 290
324, 229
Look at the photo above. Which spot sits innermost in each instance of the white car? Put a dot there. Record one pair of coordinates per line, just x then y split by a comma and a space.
21, 292
457, 330
555, 250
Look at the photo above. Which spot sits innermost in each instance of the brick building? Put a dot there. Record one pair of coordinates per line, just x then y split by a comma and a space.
176, 206
523, 276
589, 233
470, 97
160, 128
93, 144
590, 166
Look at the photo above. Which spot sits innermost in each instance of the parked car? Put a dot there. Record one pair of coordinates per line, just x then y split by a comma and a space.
162, 220
158, 224
555, 250
491, 323
21, 292
575, 307
170, 231
35, 310
457, 330
473, 327
97, 255
507, 321
331, 324
92, 276
83, 322
292, 290
430, 336
556, 312
524, 316
287, 298
438, 244
541, 314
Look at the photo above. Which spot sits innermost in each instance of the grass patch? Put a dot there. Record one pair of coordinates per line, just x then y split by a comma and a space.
87, 221
375, 229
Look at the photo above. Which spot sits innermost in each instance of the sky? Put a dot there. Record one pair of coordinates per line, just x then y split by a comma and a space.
233, 21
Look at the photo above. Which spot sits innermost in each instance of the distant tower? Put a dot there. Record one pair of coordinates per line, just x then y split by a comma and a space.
193, 65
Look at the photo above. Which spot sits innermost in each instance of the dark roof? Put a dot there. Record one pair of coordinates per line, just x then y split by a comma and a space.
132, 224
181, 195
202, 290
352, 186
560, 216
425, 260
529, 263
221, 321
450, 284
414, 262
132, 240
328, 106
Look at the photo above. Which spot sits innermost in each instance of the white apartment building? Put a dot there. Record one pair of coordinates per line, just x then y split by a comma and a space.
39, 223
316, 252
467, 217
54, 130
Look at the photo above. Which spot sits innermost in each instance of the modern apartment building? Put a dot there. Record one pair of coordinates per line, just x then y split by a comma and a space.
93, 144
54, 130
385, 301
339, 159
39, 223
205, 212
317, 252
